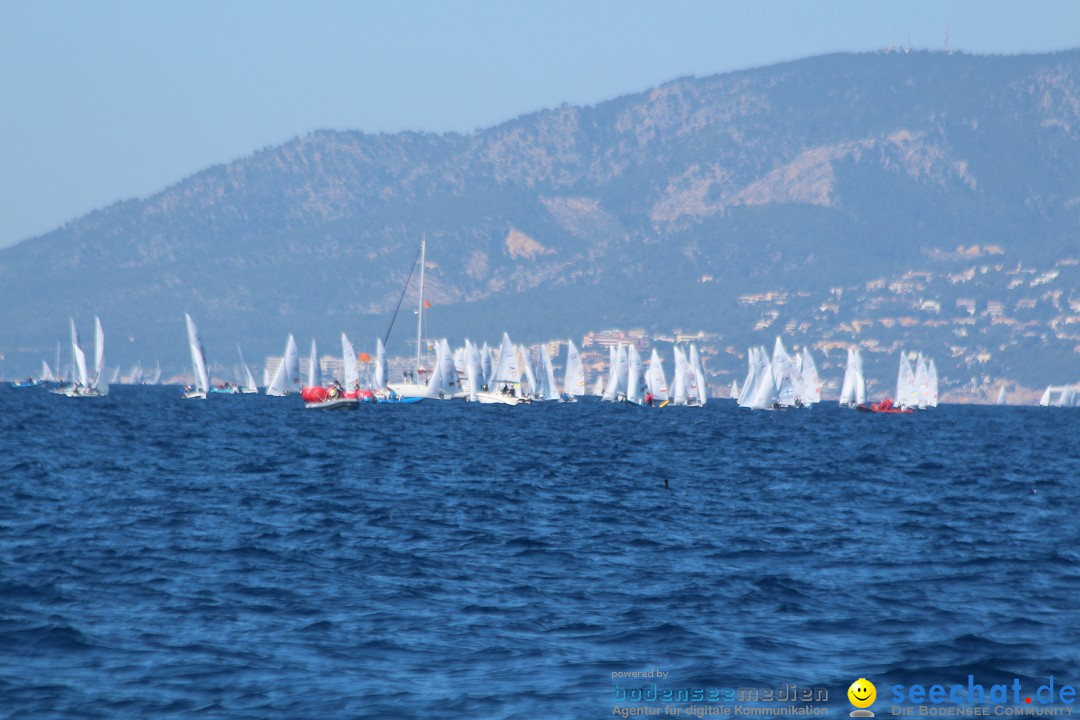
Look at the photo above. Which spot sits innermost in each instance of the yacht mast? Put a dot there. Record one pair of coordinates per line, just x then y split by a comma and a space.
420, 306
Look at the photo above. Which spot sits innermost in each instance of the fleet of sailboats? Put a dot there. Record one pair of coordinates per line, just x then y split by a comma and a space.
508, 375
515, 375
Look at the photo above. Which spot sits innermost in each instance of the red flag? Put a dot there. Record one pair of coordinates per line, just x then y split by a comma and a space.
427, 304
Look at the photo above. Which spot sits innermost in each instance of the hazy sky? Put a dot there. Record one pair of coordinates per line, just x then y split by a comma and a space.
107, 100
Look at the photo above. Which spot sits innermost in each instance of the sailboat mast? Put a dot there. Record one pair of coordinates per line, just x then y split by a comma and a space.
420, 306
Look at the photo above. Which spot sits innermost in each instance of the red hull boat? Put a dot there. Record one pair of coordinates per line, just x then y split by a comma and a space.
885, 406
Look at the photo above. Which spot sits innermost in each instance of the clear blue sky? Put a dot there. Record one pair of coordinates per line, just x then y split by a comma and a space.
107, 100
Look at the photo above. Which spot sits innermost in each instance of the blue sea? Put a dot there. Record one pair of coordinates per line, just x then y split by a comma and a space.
243, 557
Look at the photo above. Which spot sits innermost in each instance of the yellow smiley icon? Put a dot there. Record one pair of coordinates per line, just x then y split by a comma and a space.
862, 693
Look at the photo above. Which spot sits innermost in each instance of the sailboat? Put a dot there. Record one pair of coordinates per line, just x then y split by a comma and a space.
548, 389
79, 379
247, 380
635, 382
618, 374
759, 389
198, 362
697, 383
287, 376
655, 379
744, 396
444, 383
1068, 397
1001, 396
525, 362
574, 381
84, 385
853, 390
679, 392
907, 392
416, 388
504, 386
474, 370
788, 378
351, 369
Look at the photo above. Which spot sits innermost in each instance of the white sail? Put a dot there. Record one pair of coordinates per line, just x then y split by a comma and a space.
548, 389
450, 378
287, 374
474, 369
314, 373
574, 383
906, 393
99, 354
787, 393
811, 380
679, 391
611, 390
746, 396
507, 371
247, 380
787, 378
657, 381
922, 382
693, 382
381, 371
198, 356
527, 370
78, 358
698, 385
860, 379
779, 354
847, 388
156, 377
351, 373
1067, 398
438, 383
734, 392
434, 383
763, 394
115, 376
1001, 396
622, 369
46, 372
633, 376
598, 388
932, 382
486, 366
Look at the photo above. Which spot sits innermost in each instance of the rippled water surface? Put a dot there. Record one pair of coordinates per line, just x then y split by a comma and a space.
245, 558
